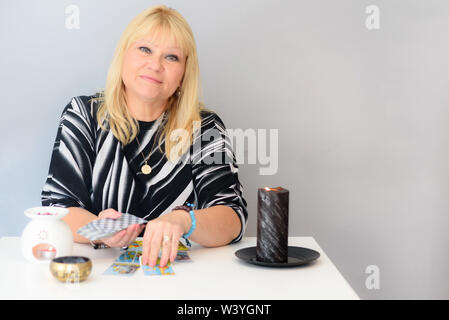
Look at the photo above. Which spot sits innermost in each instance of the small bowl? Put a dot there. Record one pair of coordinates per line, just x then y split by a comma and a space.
71, 268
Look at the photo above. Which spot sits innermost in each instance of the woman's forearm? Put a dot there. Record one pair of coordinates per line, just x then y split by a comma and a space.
216, 226
76, 218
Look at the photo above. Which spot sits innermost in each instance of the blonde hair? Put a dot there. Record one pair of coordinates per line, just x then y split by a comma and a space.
182, 111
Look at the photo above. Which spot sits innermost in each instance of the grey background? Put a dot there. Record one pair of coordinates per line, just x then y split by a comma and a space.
362, 116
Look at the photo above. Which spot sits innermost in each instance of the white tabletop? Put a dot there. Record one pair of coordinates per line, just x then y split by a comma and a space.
213, 273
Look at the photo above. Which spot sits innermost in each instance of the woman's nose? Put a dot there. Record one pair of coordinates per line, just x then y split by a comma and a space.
155, 63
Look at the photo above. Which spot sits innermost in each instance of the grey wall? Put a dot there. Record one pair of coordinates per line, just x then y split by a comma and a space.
361, 116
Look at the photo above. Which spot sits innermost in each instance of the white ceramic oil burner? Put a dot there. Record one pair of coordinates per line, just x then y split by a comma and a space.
46, 236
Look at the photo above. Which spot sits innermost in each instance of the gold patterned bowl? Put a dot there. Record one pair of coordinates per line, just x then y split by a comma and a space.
71, 268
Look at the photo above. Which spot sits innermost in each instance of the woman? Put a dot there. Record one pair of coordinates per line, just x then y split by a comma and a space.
143, 146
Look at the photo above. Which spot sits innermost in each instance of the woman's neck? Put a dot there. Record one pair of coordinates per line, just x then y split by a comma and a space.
145, 110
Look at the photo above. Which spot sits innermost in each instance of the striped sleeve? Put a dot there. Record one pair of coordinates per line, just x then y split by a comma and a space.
69, 179
215, 170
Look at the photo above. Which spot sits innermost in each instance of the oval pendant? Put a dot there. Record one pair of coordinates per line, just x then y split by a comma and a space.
146, 169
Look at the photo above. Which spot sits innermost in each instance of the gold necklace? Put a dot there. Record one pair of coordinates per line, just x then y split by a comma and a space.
146, 168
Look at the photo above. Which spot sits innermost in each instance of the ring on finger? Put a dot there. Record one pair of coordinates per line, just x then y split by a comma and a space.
166, 239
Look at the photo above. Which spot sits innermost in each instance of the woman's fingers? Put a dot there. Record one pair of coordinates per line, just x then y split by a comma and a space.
170, 247
166, 249
155, 246
123, 238
146, 244
115, 239
161, 237
127, 237
109, 213
138, 229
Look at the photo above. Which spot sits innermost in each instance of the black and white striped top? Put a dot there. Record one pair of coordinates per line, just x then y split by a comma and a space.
91, 169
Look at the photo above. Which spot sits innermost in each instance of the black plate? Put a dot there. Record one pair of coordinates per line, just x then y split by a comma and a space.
296, 256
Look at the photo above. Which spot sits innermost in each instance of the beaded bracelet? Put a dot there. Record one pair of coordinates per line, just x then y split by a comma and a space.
104, 246
99, 245
189, 208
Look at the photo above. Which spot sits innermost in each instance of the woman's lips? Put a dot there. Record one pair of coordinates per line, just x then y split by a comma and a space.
150, 79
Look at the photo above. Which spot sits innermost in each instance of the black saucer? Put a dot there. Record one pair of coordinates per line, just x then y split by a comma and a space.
296, 256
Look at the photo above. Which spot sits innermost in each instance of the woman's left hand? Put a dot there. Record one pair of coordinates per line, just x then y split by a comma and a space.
164, 232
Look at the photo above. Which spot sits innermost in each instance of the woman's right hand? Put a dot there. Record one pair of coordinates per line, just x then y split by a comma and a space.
122, 238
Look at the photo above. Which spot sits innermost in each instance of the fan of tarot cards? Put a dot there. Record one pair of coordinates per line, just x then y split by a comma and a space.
104, 228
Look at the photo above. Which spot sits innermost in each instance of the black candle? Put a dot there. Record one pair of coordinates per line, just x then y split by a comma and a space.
272, 225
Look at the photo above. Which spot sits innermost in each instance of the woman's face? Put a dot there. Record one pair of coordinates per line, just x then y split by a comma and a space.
153, 69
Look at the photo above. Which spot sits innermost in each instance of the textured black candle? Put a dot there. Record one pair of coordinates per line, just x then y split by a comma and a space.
272, 225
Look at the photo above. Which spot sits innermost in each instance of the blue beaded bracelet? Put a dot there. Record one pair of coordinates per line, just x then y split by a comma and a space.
189, 209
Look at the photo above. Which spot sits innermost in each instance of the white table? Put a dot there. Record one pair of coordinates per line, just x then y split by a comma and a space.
213, 273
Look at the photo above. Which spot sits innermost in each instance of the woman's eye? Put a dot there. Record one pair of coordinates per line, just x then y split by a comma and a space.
172, 58
145, 49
